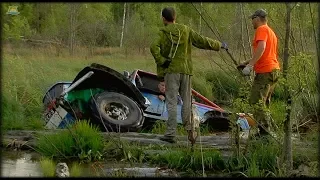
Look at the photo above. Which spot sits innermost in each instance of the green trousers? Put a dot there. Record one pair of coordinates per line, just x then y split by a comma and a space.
177, 83
260, 97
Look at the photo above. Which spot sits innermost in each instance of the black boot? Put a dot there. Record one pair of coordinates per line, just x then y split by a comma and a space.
168, 139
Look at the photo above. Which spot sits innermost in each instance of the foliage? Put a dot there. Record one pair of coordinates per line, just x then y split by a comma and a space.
75, 170
48, 167
185, 159
260, 161
303, 85
16, 28
100, 23
82, 141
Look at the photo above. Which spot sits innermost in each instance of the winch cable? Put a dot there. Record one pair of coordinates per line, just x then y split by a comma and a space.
217, 34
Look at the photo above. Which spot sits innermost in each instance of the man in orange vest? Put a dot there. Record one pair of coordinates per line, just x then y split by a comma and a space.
266, 66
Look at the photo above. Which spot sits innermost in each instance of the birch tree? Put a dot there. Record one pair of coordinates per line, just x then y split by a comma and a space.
73, 8
123, 23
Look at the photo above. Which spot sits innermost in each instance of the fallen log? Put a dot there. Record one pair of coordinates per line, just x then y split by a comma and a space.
17, 139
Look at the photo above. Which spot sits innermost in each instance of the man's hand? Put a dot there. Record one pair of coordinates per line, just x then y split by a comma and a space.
166, 63
247, 70
161, 97
224, 46
242, 65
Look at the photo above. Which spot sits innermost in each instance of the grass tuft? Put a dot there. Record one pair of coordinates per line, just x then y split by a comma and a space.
83, 141
48, 167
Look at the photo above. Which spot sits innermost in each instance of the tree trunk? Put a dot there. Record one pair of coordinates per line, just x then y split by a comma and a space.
200, 18
301, 34
72, 29
242, 38
287, 144
247, 30
318, 51
293, 40
123, 22
38, 18
239, 33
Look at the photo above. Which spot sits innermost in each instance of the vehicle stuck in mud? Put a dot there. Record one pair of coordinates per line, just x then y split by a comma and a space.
119, 102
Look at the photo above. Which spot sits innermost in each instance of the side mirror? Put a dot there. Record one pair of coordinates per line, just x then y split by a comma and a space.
126, 74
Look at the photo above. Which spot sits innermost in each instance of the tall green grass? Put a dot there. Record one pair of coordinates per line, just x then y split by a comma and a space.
82, 141
261, 160
48, 167
75, 170
185, 159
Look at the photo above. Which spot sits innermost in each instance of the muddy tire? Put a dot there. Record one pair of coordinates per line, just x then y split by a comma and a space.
217, 122
115, 112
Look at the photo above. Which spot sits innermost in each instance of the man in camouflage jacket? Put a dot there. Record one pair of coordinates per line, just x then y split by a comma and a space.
172, 54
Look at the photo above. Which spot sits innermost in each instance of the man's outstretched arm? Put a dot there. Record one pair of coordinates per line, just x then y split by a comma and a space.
202, 42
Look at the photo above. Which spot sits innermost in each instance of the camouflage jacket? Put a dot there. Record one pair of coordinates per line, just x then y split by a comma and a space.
174, 42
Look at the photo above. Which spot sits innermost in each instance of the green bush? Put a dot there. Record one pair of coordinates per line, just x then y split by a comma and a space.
302, 81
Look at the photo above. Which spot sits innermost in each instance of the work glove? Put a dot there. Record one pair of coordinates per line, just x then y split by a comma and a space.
166, 63
241, 66
224, 46
247, 70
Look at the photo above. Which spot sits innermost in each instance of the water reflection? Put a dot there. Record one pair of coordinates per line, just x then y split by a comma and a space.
20, 164
27, 164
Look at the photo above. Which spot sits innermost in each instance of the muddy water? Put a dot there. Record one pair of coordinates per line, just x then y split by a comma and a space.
20, 164
26, 164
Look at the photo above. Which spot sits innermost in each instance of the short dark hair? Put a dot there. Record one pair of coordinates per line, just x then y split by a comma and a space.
169, 14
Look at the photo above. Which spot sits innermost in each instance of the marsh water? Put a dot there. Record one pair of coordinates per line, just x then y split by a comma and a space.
20, 164
27, 164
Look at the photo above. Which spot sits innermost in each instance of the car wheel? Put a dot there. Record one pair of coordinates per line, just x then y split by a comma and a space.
116, 112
